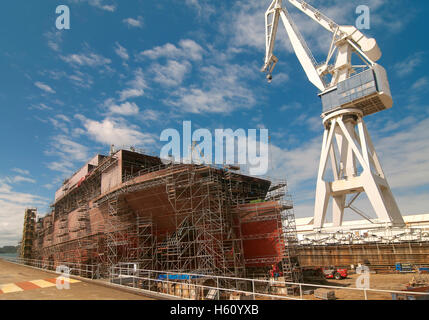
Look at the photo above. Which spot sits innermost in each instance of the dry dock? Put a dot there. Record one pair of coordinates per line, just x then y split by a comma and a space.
377, 254
19, 282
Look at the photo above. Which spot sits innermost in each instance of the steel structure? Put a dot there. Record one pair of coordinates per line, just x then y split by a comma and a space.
131, 208
347, 97
28, 234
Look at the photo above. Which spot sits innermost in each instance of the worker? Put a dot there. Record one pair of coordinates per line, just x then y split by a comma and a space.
274, 271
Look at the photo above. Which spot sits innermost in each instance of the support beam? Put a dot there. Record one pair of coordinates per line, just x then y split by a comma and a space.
352, 145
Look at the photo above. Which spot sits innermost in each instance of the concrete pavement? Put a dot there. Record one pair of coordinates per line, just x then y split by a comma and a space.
19, 282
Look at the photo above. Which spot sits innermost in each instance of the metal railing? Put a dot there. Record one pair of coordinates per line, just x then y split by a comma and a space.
192, 286
78, 269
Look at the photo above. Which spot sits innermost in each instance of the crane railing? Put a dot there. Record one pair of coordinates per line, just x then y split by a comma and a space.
328, 24
301, 38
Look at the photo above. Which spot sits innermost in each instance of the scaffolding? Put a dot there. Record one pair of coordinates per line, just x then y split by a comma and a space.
271, 221
204, 238
28, 234
170, 217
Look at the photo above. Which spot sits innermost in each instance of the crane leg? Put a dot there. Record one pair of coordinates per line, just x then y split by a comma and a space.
357, 170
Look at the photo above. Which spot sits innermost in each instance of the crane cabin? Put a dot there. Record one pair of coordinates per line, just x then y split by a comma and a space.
368, 91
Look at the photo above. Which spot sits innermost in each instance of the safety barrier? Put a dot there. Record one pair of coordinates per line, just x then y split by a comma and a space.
194, 286
210, 287
77, 269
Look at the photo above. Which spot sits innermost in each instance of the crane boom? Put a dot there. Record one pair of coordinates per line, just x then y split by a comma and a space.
303, 53
315, 14
369, 46
347, 39
271, 25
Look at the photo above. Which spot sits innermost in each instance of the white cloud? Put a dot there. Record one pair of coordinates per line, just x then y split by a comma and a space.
221, 90
81, 79
44, 87
7, 194
150, 115
63, 117
21, 171
116, 131
55, 39
90, 60
135, 23
23, 176
130, 93
68, 153
121, 52
420, 84
293, 106
64, 166
245, 25
71, 149
404, 155
78, 78
280, 78
12, 207
60, 124
298, 165
17, 179
40, 106
99, 4
138, 82
191, 49
409, 64
172, 74
203, 7
187, 49
125, 109
136, 87
388, 15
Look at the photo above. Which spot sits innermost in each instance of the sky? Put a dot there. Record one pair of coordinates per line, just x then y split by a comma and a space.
127, 70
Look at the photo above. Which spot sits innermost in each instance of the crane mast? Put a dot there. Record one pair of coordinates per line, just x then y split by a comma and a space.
347, 97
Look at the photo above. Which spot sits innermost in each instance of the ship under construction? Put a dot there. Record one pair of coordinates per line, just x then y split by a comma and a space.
129, 207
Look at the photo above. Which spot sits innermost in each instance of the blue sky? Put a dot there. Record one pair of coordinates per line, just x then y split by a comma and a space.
127, 70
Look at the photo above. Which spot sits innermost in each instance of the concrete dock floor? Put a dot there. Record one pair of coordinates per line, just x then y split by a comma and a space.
21, 278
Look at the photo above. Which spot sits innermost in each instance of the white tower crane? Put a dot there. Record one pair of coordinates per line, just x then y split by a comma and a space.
347, 97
